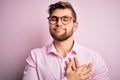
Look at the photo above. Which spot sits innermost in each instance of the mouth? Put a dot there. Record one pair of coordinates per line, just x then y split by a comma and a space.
59, 29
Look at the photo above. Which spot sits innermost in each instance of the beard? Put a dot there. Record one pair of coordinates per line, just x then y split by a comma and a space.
64, 36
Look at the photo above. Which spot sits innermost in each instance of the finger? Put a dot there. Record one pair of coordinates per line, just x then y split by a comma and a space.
73, 63
81, 68
68, 67
87, 71
87, 76
67, 63
77, 65
89, 65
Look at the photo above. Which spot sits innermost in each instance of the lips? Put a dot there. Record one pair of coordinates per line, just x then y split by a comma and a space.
59, 29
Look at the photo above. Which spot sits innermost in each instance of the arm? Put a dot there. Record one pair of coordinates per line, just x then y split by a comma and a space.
30, 72
100, 69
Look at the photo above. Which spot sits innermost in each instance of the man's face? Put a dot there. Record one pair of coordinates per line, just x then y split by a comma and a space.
62, 28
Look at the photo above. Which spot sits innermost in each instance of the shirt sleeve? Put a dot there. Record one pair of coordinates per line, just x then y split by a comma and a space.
100, 69
30, 72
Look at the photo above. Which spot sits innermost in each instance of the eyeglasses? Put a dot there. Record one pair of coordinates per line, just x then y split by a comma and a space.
64, 19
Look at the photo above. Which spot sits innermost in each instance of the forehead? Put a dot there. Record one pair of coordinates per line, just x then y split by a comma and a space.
61, 12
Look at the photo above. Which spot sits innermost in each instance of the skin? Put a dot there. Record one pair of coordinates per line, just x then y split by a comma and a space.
75, 71
63, 41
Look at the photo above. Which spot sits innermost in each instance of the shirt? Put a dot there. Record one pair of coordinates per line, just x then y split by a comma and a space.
46, 64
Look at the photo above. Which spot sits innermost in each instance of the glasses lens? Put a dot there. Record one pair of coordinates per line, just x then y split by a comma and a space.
66, 19
53, 19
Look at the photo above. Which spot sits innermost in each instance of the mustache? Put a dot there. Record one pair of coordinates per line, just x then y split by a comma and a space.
59, 28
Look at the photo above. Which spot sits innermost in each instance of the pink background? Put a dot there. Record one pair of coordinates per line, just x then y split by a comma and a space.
24, 26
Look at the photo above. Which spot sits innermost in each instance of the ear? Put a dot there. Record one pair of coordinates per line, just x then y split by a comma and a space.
75, 26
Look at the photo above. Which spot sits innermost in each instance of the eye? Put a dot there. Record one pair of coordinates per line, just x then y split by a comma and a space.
53, 18
65, 18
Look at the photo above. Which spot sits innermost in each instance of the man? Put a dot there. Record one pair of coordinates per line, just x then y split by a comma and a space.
64, 59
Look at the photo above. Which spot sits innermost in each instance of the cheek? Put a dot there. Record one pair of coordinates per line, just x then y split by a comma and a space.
70, 29
51, 27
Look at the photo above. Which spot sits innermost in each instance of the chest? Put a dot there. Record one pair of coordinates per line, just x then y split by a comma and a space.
50, 68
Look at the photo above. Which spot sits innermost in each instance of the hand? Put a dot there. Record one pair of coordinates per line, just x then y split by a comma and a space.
75, 71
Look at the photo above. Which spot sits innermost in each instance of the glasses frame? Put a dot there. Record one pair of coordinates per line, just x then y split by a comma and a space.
61, 18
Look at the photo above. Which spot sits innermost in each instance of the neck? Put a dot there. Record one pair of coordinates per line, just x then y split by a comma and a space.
64, 47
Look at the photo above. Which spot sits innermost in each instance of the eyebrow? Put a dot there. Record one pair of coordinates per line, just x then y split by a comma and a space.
59, 16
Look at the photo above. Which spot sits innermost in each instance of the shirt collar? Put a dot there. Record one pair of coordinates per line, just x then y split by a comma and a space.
51, 48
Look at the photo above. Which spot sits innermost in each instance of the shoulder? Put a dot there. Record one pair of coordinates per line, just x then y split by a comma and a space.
38, 51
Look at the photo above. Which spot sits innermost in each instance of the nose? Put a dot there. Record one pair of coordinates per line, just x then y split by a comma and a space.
59, 22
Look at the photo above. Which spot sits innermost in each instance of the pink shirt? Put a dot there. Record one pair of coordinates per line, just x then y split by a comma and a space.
46, 64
